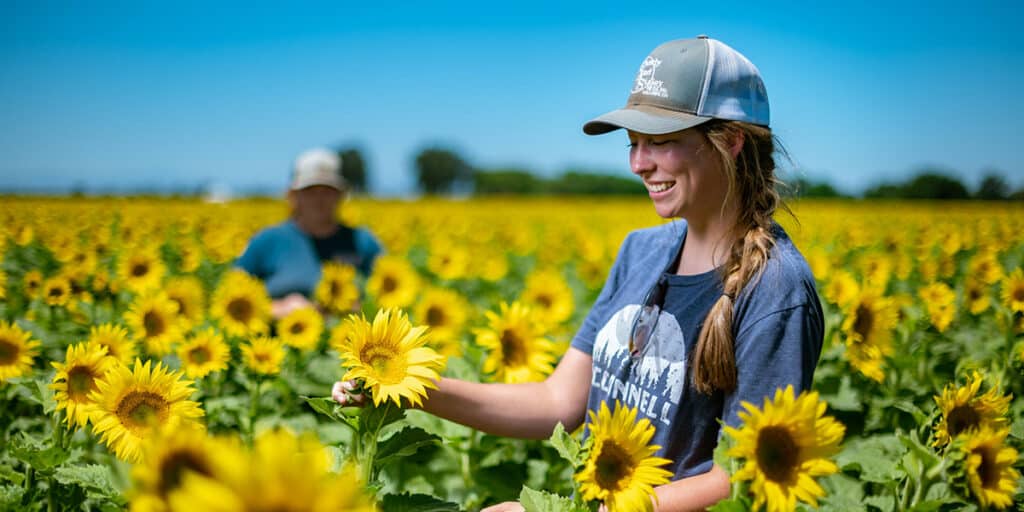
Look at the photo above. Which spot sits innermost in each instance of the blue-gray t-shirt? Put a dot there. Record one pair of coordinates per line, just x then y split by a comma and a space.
777, 327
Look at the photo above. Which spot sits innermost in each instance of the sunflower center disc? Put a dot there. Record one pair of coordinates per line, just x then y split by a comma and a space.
435, 316
297, 328
142, 409
777, 454
988, 472
544, 300
512, 349
865, 321
140, 269
612, 466
174, 466
199, 355
961, 418
8, 352
388, 285
240, 309
1018, 294
80, 382
153, 323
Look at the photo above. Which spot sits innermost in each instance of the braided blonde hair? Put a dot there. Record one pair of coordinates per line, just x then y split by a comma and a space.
751, 177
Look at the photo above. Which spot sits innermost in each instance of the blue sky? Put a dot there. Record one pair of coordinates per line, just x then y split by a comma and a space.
162, 94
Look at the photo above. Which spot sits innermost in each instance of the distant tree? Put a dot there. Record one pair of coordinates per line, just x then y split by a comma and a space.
582, 182
930, 185
438, 169
993, 187
353, 169
506, 181
803, 187
885, 191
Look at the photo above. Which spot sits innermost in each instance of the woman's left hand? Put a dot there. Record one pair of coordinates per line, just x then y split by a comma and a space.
508, 506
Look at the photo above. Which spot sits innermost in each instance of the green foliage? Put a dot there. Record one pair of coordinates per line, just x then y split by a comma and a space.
438, 170
540, 501
353, 169
928, 184
416, 503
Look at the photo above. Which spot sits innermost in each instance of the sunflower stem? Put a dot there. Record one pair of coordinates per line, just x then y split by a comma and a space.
254, 405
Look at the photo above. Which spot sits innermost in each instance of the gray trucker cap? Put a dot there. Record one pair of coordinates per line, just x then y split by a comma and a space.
684, 83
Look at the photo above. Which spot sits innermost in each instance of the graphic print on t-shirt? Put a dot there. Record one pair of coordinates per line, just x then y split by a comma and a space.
653, 383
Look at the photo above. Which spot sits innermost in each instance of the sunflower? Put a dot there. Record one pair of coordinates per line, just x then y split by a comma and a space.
549, 295
841, 288
154, 320
337, 290
867, 327
141, 270
976, 296
518, 352
115, 339
1012, 291
939, 300
17, 349
444, 312
187, 292
621, 470
3, 285
448, 261
301, 328
131, 403
263, 355
390, 357
241, 304
988, 465
282, 472
31, 282
394, 283
57, 291
964, 409
204, 353
985, 267
191, 255
489, 264
174, 453
785, 446
84, 364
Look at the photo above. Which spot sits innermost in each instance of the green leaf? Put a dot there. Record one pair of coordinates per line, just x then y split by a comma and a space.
8, 474
10, 498
540, 501
730, 505
566, 445
403, 443
376, 417
416, 503
883, 503
323, 405
875, 458
842, 493
97, 480
846, 398
40, 393
41, 456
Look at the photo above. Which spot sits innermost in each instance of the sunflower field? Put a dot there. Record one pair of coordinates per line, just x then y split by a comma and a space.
139, 370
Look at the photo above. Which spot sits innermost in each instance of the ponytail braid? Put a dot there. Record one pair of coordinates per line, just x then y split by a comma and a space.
751, 175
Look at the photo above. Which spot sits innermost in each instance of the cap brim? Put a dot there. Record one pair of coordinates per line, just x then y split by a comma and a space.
299, 185
643, 119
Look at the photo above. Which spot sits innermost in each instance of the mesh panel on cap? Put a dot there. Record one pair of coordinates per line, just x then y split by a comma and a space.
734, 89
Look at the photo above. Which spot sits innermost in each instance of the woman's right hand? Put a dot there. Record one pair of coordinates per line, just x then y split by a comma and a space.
342, 393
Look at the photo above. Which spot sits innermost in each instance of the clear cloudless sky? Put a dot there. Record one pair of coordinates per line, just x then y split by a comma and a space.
97, 95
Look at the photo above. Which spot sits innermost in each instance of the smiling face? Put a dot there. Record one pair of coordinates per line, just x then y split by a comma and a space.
682, 172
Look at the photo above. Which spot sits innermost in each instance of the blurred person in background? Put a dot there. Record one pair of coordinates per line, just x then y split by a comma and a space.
288, 256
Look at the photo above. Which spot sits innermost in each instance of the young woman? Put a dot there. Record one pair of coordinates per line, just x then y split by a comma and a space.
697, 315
